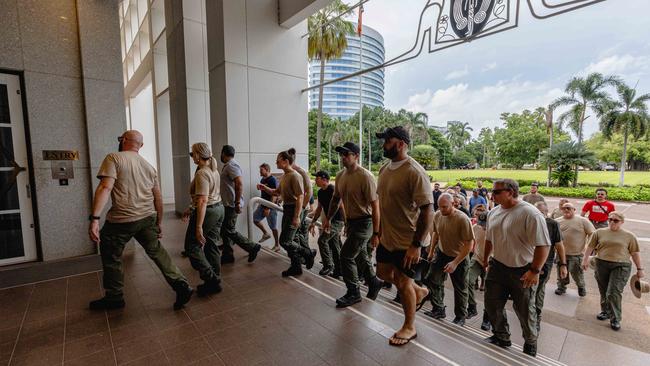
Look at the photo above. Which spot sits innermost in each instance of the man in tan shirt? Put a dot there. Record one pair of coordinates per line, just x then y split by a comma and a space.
576, 230
136, 212
451, 242
356, 187
533, 197
406, 203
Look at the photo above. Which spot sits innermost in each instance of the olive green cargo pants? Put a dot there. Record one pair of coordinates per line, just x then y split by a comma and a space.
113, 239
612, 278
206, 259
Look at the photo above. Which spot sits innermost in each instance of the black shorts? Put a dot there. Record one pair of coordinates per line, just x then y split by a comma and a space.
396, 258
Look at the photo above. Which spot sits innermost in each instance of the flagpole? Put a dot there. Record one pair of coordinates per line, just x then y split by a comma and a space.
359, 25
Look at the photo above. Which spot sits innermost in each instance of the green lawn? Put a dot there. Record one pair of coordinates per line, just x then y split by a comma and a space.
589, 177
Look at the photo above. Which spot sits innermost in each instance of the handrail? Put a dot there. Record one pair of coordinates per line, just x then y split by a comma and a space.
252, 205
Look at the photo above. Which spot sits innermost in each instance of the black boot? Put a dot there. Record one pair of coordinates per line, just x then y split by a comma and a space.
374, 287
295, 269
106, 304
471, 311
485, 325
208, 288
437, 313
530, 349
227, 259
253, 254
351, 297
310, 255
183, 294
326, 271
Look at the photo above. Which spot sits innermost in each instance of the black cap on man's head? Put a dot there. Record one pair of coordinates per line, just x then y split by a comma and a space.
534, 184
322, 174
348, 147
397, 132
228, 150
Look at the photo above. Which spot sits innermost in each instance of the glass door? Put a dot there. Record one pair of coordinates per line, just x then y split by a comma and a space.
17, 238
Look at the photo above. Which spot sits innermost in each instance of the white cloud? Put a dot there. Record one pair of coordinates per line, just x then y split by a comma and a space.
490, 66
620, 64
481, 106
457, 74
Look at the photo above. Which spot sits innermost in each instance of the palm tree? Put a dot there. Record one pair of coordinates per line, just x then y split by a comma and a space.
327, 40
627, 115
582, 93
417, 124
458, 134
564, 157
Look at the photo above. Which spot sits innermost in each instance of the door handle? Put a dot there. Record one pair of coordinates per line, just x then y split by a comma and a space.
28, 190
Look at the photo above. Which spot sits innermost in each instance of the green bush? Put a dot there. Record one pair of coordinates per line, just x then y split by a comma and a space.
326, 166
426, 155
637, 193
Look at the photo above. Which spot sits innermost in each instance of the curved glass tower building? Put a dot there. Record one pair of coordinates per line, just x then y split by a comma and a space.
342, 99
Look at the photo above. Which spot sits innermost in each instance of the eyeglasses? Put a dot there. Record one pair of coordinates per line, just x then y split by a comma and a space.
616, 221
567, 208
121, 138
345, 153
191, 154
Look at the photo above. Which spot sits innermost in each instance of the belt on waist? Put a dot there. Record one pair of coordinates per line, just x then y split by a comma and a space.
214, 205
360, 218
494, 261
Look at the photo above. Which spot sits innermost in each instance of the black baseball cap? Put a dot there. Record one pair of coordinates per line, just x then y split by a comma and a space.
534, 184
228, 150
397, 132
322, 174
348, 147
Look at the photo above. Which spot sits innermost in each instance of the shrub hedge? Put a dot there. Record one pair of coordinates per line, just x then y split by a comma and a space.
636, 193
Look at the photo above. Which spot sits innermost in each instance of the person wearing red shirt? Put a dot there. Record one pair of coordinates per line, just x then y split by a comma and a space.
598, 209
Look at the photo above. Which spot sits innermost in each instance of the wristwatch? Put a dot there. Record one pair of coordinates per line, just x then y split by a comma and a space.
562, 264
92, 218
417, 244
376, 233
534, 270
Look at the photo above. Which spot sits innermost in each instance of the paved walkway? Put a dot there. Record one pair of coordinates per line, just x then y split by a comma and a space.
260, 318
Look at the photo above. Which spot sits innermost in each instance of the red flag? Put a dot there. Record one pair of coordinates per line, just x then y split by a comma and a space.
359, 26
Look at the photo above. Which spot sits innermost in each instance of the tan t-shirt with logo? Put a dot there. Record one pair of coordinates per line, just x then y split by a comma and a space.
306, 184
291, 187
401, 194
575, 232
206, 183
452, 230
614, 246
357, 189
132, 193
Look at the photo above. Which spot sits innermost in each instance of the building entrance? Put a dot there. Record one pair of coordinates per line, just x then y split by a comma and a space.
17, 237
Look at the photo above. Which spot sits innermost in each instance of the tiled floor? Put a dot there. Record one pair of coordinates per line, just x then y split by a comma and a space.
259, 318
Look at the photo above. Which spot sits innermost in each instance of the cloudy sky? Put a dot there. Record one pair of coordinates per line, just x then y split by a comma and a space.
525, 67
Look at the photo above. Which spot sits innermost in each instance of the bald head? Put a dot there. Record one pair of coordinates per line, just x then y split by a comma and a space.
541, 206
131, 140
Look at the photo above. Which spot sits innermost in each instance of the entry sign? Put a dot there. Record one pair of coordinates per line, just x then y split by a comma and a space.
60, 155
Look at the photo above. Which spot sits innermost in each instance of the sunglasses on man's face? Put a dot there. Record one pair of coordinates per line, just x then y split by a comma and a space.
345, 153
615, 221
567, 208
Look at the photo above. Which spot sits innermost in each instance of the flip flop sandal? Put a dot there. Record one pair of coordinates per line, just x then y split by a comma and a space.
395, 337
424, 299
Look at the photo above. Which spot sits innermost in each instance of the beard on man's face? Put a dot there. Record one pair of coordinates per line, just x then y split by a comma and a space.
391, 153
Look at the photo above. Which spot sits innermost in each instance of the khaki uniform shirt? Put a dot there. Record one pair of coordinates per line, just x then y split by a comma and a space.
575, 232
452, 231
479, 243
614, 246
557, 213
401, 194
132, 193
357, 189
205, 183
515, 232
306, 184
291, 187
533, 198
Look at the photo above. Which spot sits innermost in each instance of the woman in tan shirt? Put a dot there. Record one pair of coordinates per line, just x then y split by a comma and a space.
292, 192
205, 218
613, 246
